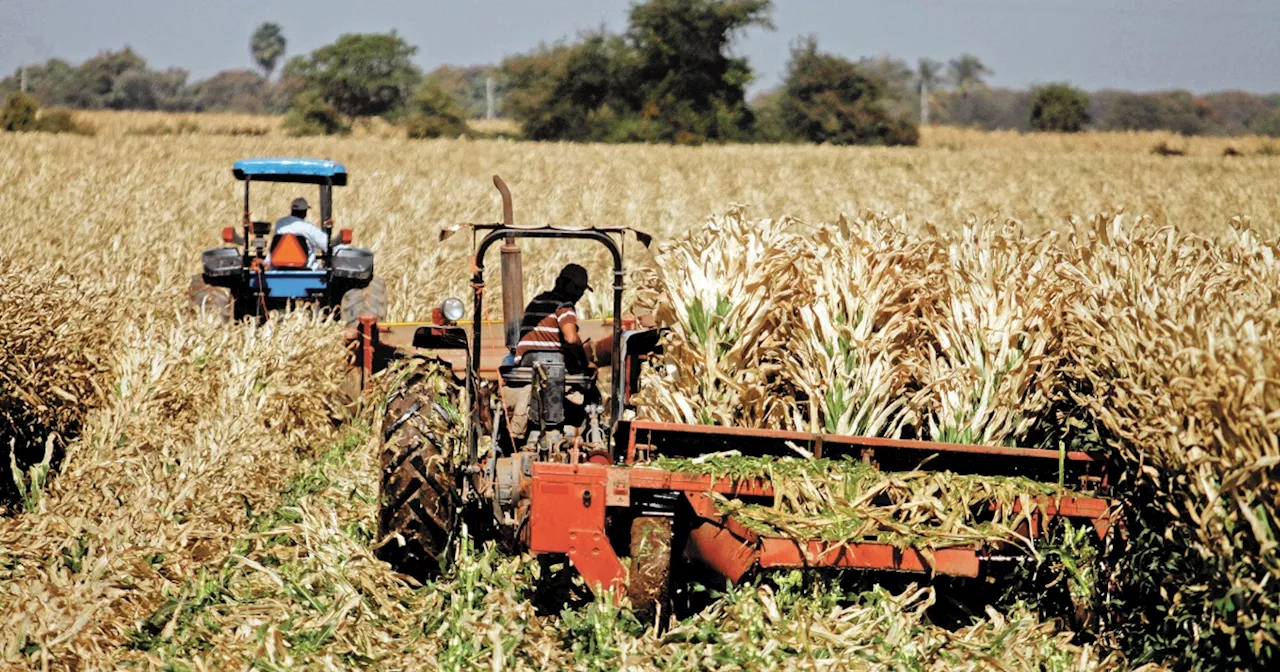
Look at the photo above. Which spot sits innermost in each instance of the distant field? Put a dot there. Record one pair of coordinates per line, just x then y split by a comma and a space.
178, 188
213, 515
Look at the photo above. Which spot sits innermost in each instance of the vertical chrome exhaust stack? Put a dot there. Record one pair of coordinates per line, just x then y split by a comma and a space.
512, 273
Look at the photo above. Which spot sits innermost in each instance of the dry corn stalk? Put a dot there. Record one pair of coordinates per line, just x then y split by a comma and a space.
55, 352
991, 376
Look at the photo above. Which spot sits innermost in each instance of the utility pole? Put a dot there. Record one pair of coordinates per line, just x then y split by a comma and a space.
491, 111
24, 79
924, 103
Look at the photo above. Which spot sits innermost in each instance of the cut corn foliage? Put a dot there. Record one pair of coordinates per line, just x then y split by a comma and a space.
208, 515
1154, 349
54, 360
848, 502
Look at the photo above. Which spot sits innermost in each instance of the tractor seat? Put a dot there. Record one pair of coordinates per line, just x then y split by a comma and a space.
514, 375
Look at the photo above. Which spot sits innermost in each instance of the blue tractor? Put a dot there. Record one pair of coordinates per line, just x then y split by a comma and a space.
269, 266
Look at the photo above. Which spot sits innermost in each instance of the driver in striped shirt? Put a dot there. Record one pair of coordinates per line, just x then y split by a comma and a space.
549, 328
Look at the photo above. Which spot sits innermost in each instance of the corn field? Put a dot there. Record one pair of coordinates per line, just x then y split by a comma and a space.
184, 494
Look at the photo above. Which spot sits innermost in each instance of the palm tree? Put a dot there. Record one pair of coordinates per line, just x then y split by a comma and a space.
929, 76
967, 72
267, 46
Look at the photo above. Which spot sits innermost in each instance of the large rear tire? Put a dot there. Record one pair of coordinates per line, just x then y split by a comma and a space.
418, 500
205, 298
367, 301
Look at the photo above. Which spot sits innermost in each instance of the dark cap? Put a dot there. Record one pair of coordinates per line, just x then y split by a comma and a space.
299, 204
575, 274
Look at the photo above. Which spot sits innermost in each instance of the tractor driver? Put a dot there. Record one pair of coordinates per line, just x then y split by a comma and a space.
549, 328
297, 224
549, 341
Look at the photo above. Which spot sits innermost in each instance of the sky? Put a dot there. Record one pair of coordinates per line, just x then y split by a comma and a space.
1140, 45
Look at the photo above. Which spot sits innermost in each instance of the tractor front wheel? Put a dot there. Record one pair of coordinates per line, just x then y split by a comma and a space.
205, 298
367, 301
418, 499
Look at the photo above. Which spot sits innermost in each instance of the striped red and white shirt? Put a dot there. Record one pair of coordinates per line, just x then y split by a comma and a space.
541, 324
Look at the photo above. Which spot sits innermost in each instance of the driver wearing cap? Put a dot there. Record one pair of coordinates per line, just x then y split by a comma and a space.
297, 224
549, 329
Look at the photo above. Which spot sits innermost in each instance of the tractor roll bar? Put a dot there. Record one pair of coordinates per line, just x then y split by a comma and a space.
477, 285
326, 216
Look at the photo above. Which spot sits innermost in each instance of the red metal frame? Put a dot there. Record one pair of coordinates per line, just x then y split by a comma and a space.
569, 502
568, 516
640, 427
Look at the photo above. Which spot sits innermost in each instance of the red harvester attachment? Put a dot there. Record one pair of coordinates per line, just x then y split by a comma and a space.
583, 489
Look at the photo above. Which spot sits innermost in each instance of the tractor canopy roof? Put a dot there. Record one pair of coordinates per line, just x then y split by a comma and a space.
306, 171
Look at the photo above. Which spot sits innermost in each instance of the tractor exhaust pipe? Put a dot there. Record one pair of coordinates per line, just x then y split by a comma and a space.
512, 273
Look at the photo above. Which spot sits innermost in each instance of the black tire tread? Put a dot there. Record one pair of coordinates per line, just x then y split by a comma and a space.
418, 502
203, 297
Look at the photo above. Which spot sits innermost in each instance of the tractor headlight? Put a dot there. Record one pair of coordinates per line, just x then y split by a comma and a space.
452, 309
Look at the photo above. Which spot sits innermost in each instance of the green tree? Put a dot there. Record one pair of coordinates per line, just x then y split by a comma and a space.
97, 78
901, 99
145, 89
581, 92
1059, 107
435, 113
360, 75
117, 80
1177, 111
594, 99
968, 72
827, 98
530, 81
19, 112
986, 108
231, 91
1236, 112
267, 47
1268, 124
54, 82
928, 77
770, 127
670, 78
691, 83
311, 114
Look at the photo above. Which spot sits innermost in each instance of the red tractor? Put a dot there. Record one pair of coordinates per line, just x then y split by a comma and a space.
582, 492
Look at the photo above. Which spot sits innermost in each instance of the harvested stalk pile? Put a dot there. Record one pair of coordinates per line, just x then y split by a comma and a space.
209, 516
205, 424
863, 327
54, 358
1154, 349
845, 501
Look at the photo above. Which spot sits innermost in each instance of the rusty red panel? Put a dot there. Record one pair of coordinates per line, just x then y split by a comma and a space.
1097, 511
566, 515
1073, 507
563, 502
780, 552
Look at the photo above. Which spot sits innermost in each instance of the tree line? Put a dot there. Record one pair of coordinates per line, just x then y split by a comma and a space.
671, 76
